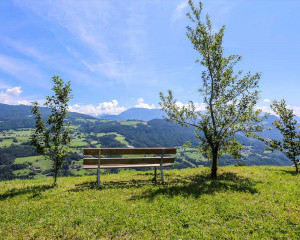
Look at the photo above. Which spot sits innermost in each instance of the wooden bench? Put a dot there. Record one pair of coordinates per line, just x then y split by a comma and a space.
129, 162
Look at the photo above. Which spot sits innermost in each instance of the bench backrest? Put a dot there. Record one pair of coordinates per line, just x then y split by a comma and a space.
129, 151
126, 151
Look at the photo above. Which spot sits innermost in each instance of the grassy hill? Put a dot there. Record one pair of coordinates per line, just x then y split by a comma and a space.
243, 203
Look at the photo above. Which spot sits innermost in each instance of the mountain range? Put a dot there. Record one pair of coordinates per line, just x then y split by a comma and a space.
135, 127
142, 114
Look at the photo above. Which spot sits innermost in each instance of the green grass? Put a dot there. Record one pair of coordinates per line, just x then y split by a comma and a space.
35, 160
121, 139
243, 203
6, 142
78, 142
21, 172
132, 123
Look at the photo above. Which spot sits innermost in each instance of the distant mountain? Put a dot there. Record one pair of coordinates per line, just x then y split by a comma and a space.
20, 116
142, 114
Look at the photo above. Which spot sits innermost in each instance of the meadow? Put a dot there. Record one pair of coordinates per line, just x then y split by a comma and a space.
242, 203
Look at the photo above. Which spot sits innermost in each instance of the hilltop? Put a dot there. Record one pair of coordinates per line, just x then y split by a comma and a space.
243, 203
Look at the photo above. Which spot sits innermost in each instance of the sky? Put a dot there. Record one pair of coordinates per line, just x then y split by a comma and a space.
121, 54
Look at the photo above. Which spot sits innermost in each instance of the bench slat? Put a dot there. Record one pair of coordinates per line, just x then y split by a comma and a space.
124, 151
143, 160
126, 166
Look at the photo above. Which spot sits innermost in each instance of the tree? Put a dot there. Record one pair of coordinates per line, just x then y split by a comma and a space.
229, 98
52, 139
287, 125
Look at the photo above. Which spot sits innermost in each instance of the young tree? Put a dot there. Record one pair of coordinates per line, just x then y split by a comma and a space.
287, 125
229, 98
52, 139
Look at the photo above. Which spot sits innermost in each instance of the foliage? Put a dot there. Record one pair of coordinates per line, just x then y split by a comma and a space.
229, 98
287, 125
52, 140
243, 203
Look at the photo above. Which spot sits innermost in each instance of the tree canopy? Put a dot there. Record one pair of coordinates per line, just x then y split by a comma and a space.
52, 139
289, 128
229, 97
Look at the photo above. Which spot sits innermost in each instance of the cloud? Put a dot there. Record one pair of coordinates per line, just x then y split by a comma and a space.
22, 48
111, 108
22, 70
267, 109
198, 106
87, 23
267, 100
142, 104
295, 109
179, 11
12, 96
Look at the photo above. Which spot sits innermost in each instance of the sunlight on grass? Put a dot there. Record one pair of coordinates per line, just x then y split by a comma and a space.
243, 203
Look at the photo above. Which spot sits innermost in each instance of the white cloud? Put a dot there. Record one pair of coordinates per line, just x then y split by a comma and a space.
295, 109
198, 106
267, 100
267, 109
12, 96
111, 108
179, 11
142, 104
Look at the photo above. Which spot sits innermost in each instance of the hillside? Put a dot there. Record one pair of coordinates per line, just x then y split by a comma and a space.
243, 203
18, 159
13, 117
142, 114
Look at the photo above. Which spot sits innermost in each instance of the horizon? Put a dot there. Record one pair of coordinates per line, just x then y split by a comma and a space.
106, 48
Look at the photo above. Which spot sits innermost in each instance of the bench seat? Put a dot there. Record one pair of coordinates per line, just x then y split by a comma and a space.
118, 161
142, 165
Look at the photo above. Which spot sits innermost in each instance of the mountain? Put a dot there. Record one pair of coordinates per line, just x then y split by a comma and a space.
20, 116
142, 114
19, 160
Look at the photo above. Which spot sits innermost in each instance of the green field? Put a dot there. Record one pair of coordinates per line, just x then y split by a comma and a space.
132, 123
243, 203
35, 160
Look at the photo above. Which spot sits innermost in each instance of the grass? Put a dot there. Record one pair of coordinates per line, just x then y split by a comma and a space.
78, 142
243, 203
35, 160
132, 123
6, 142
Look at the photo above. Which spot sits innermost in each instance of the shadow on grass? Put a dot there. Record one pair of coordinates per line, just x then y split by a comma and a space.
195, 185
292, 172
113, 185
199, 184
35, 190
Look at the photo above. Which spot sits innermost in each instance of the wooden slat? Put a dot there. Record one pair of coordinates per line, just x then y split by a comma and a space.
126, 166
124, 151
143, 160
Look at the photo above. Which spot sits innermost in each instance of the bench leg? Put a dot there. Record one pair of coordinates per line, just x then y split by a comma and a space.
162, 175
98, 177
155, 174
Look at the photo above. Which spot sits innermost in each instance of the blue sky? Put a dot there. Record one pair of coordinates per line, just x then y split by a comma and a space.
121, 54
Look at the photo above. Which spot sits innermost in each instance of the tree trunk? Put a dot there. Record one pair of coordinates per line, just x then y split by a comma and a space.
55, 175
55, 172
214, 166
296, 165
